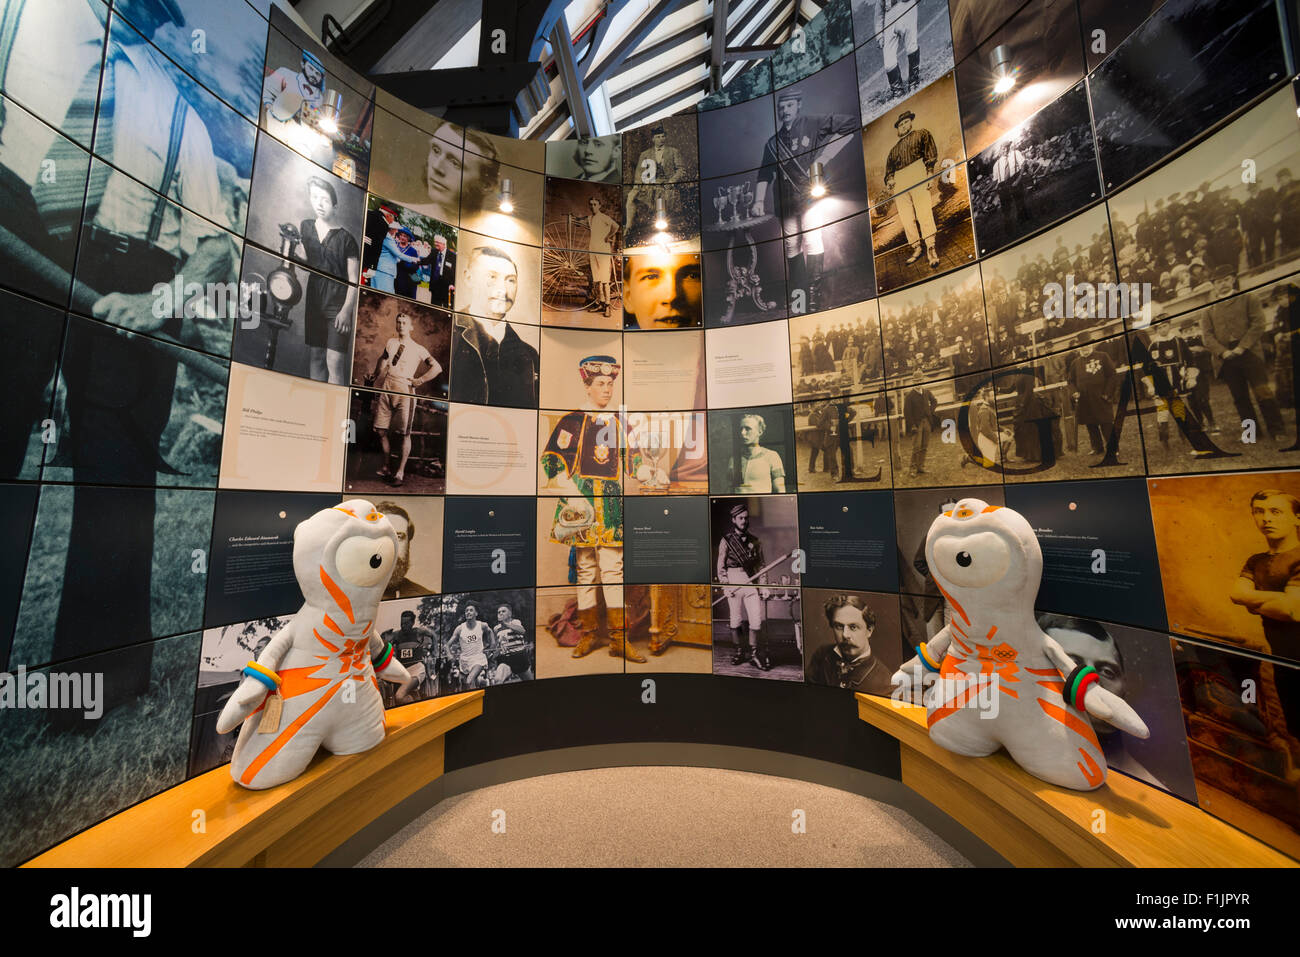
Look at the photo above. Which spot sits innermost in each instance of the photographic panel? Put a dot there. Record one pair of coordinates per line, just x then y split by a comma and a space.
1070, 416
292, 326
752, 451
908, 45
670, 626
1116, 19
562, 629
588, 527
494, 363
1181, 231
412, 626
814, 109
842, 443
936, 329
733, 200
19, 503
488, 639
664, 151
1029, 61
1099, 553
662, 214
913, 141
490, 451
944, 433
282, 433
825, 39
662, 290
837, 352
851, 640
136, 411
1205, 525
416, 168
914, 513
228, 60
313, 110
508, 208
1209, 58
732, 139
1240, 744
842, 192
829, 266
407, 254
306, 214
923, 231
584, 450
582, 289
400, 441
91, 768
744, 283
121, 555
581, 369
251, 574
754, 80
1202, 412
401, 347
665, 371
848, 540
418, 522
742, 370
35, 332
667, 539
490, 544
754, 540
596, 159
581, 215
757, 632
508, 150
445, 130
1042, 296
671, 451
1137, 667
974, 21
1042, 172
498, 280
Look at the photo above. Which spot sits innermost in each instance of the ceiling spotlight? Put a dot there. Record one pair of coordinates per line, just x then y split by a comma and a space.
661, 214
1005, 74
330, 110
817, 180
507, 196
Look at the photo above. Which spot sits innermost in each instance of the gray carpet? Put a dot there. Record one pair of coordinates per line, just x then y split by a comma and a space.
662, 816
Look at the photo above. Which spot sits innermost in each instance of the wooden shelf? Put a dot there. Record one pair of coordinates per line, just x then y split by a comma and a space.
293, 825
1035, 824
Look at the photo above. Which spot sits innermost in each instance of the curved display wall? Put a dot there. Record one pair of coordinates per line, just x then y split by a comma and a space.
694, 391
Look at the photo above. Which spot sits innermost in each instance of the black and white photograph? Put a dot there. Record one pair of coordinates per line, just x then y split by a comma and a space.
495, 362
757, 632
412, 627
751, 451
508, 150
314, 111
1208, 405
408, 254
91, 768
1025, 64
595, 159
1205, 216
400, 442
744, 283
401, 347
837, 352
659, 214
508, 207
842, 443
419, 168
733, 219
731, 139
829, 266
1042, 295
19, 501
823, 40
1040, 173
36, 332
305, 214
121, 555
498, 280
923, 231
1115, 19
913, 141
753, 80
229, 56
927, 441
298, 321
664, 151
936, 330
1198, 60
1070, 414
135, 411
662, 291
852, 640
417, 520
753, 539
1136, 666
582, 261
488, 639
903, 46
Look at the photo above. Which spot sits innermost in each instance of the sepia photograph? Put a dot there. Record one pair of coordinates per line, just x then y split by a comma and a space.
673, 452
595, 159
401, 347
420, 168
837, 352
757, 632
852, 640
670, 627
903, 46
751, 451
930, 447
497, 280
842, 443
522, 154
587, 639
582, 369
407, 254
582, 262
913, 141
733, 219
400, 442
496, 363
936, 329
923, 231
417, 520
661, 215
1040, 173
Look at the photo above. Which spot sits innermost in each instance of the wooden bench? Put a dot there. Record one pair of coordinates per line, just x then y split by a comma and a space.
1035, 824
293, 825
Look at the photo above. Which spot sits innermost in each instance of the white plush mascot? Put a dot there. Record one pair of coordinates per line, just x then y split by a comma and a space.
314, 684
1002, 682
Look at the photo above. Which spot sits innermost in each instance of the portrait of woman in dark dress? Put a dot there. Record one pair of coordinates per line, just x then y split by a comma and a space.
330, 248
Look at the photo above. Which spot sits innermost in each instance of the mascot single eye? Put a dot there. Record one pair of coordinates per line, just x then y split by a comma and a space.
365, 561
972, 561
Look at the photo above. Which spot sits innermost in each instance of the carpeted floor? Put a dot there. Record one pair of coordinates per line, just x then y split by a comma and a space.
662, 816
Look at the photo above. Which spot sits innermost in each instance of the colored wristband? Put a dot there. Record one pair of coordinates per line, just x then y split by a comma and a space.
263, 674
385, 656
1077, 684
924, 654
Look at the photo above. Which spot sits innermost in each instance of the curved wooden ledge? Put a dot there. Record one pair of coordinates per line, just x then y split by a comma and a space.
1035, 824
293, 825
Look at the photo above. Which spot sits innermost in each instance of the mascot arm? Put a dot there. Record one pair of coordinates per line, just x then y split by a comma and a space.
394, 671
250, 694
1099, 702
912, 671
